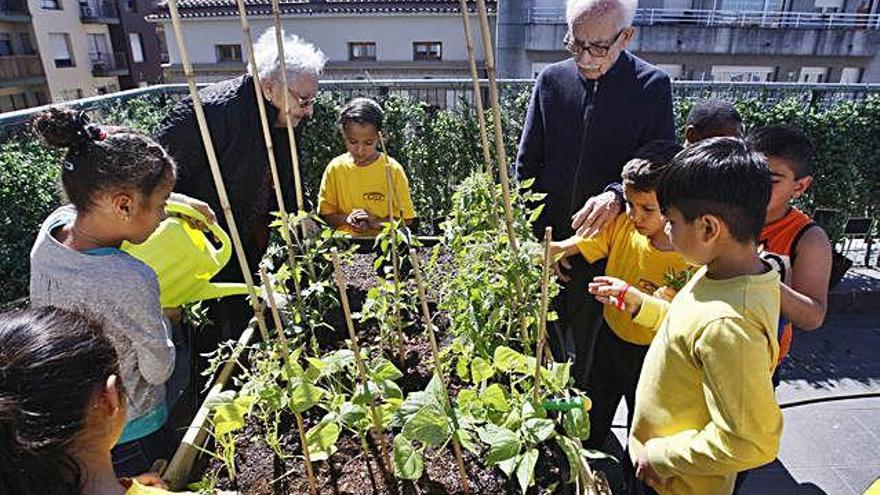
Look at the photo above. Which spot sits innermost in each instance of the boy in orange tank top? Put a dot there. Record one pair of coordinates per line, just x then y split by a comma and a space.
790, 241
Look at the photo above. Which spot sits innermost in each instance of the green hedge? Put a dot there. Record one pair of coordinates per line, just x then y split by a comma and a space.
439, 148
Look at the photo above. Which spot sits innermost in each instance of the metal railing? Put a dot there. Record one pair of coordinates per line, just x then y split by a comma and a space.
98, 11
730, 18
20, 67
106, 64
457, 93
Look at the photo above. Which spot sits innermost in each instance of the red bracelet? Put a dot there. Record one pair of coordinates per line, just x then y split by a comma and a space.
621, 298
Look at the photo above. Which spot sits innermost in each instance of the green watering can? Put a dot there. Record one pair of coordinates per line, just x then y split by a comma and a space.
184, 260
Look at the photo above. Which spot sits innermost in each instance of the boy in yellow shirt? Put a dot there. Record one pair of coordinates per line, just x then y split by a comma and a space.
638, 252
705, 407
354, 189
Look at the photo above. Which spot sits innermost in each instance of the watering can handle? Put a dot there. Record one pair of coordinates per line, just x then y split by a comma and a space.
225, 250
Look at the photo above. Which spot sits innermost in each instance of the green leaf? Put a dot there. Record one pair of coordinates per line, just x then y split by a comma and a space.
537, 429
382, 370
577, 423
337, 361
351, 414
321, 440
495, 398
315, 370
304, 396
408, 463
503, 443
508, 466
429, 427
461, 369
229, 416
506, 359
571, 449
481, 370
391, 389
525, 471
559, 376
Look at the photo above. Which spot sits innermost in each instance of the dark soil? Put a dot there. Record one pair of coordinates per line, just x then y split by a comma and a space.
351, 471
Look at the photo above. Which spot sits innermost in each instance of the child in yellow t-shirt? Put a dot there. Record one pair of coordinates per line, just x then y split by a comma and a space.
354, 189
705, 407
640, 253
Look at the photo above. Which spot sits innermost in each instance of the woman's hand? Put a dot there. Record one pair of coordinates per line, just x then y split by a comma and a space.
616, 292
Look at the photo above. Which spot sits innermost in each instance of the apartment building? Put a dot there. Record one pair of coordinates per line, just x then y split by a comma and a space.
22, 79
140, 42
810, 41
362, 39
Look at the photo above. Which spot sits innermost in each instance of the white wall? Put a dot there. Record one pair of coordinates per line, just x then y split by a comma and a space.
393, 35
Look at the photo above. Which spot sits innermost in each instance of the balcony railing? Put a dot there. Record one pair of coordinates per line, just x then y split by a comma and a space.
100, 12
730, 18
108, 64
18, 67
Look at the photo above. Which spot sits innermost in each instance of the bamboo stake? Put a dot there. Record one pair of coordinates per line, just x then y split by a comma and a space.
310, 473
478, 96
279, 37
276, 317
215, 169
426, 317
270, 148
542, 322
394, 258
496, 113
177, 472
362, 370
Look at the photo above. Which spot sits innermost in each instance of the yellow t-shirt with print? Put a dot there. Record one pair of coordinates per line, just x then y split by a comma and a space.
633, 259
346, 187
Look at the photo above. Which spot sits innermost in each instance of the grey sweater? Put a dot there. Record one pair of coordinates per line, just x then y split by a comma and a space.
117, 290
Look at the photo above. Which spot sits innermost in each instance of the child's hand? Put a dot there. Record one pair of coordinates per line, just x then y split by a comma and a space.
359, 220
198, 205
610, 290
646, 473
152, 480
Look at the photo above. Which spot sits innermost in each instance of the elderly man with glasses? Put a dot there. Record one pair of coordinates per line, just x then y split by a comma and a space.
233, 118
587, 116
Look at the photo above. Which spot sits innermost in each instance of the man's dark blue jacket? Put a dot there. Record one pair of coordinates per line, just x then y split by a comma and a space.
631, 106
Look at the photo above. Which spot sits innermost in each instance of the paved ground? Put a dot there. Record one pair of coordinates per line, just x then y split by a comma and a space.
831, 438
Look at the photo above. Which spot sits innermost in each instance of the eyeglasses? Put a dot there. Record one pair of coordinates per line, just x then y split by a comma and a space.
577, 47
303, 102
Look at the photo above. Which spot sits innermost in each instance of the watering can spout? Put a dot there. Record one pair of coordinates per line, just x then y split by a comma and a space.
185, 260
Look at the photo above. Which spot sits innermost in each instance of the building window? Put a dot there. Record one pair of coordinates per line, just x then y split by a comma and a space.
851, 75
99, 49
5, 45
427, 50
361, 51
130, 5
50, 4
813, 75
228, 53
61, 51
27, 47
137, 51
71, 94
743, 73
41, 98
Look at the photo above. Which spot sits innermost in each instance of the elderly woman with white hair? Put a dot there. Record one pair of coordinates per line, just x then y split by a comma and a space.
588, 115
233, 118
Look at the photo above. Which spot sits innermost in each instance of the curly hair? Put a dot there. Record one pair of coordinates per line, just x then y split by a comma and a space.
98, 158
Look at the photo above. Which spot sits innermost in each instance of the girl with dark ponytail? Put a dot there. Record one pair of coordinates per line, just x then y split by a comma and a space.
117, 181
62, 407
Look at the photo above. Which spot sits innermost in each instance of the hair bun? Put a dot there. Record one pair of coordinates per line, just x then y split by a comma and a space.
65, 128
